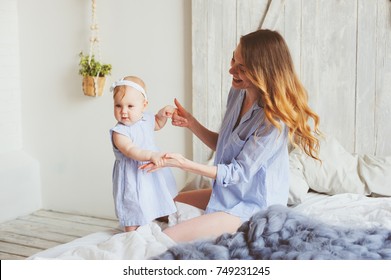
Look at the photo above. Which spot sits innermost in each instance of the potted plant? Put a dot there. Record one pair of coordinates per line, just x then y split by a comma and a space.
94, 74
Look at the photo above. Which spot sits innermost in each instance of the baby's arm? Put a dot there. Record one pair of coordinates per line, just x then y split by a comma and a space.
162, 116
129, 149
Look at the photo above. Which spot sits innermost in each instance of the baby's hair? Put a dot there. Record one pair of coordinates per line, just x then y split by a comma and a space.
121, 89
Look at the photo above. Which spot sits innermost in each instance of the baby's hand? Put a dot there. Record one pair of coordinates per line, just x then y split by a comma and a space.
168, 111
157, 158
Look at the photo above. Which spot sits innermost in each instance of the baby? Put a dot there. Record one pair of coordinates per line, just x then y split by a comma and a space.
139, 197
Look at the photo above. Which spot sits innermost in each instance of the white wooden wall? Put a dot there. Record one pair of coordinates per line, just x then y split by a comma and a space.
341, 50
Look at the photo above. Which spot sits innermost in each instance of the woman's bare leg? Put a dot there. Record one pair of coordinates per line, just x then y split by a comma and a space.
205, 226
196, 198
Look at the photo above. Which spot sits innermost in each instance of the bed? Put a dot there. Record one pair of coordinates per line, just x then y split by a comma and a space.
340, 209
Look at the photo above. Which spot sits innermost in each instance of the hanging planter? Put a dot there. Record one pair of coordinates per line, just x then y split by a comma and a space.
93, 71
94, 75
93, 86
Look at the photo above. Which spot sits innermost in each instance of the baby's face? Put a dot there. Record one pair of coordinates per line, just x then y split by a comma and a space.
130, 108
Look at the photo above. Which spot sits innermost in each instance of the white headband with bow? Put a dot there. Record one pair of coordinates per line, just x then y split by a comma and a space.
134, 85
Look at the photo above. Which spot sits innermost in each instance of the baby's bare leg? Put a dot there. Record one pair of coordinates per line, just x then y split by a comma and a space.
131, 228
196, 198
205, 226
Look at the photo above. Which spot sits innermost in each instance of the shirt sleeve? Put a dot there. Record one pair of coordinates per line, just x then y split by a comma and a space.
255, 153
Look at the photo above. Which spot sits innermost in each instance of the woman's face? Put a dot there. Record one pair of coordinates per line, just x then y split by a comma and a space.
130, 108
238, 71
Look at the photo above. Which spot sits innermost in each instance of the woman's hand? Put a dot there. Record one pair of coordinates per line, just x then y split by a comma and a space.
181, 117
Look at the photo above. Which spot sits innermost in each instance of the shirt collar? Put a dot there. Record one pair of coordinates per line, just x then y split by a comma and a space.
255, 107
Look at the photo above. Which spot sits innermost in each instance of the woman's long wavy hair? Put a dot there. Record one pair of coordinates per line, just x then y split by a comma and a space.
270, 67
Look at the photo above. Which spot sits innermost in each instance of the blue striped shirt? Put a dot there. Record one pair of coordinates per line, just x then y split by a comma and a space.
252, 162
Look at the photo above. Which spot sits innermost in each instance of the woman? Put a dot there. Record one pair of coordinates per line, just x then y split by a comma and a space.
266, 108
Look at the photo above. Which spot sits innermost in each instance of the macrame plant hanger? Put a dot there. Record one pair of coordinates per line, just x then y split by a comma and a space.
94, 44
93, 71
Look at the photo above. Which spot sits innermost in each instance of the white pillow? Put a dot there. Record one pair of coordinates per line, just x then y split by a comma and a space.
376, 173
298, 186
337, 173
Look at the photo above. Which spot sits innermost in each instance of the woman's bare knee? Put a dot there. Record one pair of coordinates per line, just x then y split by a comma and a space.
196, 198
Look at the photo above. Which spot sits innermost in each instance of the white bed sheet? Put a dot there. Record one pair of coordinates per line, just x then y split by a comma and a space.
352, 210
348, 209
144, 243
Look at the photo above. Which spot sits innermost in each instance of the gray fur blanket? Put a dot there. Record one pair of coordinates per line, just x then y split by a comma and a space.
281, 233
